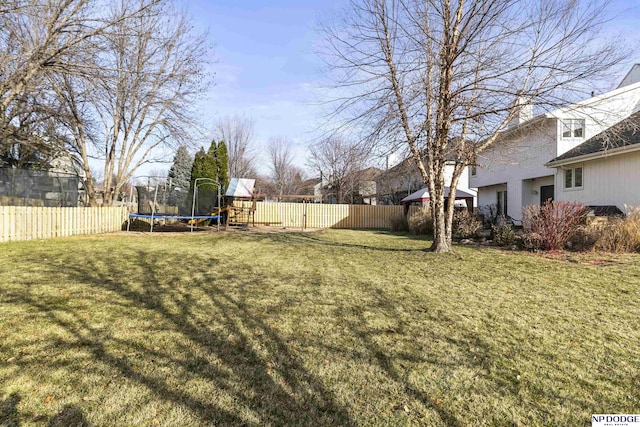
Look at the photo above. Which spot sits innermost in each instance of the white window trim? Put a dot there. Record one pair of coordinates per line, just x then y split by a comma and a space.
570, 123
573, 178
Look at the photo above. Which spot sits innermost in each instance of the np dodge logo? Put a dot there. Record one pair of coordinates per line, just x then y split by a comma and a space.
615, 420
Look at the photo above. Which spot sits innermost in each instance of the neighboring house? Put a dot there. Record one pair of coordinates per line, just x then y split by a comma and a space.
358, 188
308, 186
517, 170
317, 189
397, 182
604, 170
404, 179
367, 187
62, 163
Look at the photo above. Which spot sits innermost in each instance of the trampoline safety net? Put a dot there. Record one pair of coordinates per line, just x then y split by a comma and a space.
170, 201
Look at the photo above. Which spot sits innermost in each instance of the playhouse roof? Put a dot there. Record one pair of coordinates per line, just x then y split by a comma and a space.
240, 187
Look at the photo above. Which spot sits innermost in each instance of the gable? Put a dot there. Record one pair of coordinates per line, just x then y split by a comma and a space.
623, 135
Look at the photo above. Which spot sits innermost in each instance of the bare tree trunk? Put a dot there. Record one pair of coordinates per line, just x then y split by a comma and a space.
438, 78
139, 96
437, 198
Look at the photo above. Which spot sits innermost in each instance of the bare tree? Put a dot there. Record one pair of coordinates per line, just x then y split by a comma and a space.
237, 133
41, 37
444, 78
286, 178
146, 77
340, 163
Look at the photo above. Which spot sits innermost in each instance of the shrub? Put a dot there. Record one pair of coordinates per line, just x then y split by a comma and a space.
584, 238
399, 223
554, 223
489, 215
621, 235
421, 222
504, 235
533, 241
465, 224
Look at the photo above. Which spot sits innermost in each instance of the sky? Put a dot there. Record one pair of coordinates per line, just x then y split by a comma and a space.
265, 66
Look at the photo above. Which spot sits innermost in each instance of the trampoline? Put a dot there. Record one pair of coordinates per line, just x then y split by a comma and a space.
155, 215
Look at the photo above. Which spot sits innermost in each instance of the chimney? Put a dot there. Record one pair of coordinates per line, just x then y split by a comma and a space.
524, 111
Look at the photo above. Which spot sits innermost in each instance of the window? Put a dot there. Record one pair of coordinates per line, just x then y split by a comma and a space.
474, 171
573, 178
573, 128
502, 202
577, 177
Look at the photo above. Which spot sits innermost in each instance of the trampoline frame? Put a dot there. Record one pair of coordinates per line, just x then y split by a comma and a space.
198, 182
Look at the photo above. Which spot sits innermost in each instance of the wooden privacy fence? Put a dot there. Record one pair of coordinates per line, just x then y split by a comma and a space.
316, 215
28, 223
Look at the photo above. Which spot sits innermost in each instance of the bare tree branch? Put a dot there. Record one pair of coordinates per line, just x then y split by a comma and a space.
140, 94
237, 133
285, 177
443, 79
340, 163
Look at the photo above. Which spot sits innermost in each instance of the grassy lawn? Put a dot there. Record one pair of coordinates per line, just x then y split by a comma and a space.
332, 328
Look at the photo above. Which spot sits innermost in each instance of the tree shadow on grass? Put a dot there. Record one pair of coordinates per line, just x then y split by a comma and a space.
404, 234
69, 416
9, 416
257, 368
240, 358
236, 350
495, 367
310, 238
386, 358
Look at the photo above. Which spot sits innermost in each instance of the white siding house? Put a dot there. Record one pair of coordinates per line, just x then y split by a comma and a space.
604, 170
516, 170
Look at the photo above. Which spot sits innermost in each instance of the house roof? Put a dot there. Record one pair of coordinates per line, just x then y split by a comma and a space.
623, 135
423, 194
370, 174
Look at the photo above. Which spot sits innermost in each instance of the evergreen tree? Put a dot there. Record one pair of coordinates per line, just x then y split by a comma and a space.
198, 171
208, 194
180, 171
222, 160
180, 176
197, 167
210, 169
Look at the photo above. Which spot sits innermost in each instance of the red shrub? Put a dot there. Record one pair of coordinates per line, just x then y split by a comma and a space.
554, 223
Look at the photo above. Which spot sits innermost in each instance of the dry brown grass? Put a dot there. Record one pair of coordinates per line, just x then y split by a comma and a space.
331, 328
620, 235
